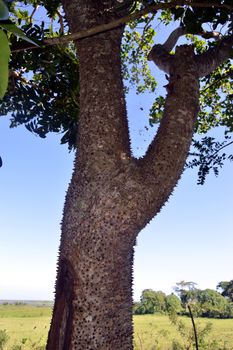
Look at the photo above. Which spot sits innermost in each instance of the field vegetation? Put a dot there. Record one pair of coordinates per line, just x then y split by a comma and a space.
156, 332
25, 327
204, 303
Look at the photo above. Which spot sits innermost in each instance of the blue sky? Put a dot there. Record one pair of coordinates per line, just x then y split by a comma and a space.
191, 239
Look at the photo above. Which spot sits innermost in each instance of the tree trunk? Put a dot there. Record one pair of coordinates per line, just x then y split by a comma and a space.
93, 305
112, 196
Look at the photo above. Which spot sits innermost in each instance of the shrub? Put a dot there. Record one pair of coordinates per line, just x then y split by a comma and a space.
3, 338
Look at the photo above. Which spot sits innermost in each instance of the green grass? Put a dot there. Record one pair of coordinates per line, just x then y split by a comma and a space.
24, 310
28, 326
155, 332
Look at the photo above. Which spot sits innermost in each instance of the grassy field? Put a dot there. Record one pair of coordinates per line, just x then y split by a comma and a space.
27, 327
155, 332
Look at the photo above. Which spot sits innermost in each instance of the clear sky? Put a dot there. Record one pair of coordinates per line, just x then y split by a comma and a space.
191, 239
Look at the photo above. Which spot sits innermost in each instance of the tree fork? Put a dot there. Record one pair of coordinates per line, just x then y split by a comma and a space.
107, 205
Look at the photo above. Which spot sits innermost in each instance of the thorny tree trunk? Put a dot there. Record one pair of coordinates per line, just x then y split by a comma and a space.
112, 196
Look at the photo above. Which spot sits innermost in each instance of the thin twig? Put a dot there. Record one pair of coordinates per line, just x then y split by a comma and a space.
194, 326
211, 157
121, 21
60, 22
33, 12
228, 144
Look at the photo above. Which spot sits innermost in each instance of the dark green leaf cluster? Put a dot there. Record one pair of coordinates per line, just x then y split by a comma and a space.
216, 99
193, 18
226, 288
156, 111
208, 156
44, 87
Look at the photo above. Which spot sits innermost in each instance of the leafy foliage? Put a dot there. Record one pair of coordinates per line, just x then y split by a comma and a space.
187, 334
227, 289
44, 86
209, 156
5, 47
50, 95
135, 48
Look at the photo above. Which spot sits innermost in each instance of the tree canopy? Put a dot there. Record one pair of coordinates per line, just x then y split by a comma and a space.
226, 288
43, 94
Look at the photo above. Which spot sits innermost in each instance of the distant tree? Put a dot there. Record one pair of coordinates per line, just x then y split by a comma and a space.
139, 308
186, 291
191, 301
173, 304
212, 304
151, 302
226, 289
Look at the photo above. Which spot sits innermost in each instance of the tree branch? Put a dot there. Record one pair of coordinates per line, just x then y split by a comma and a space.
214, 57
121, 21
61, 22
33, 12
194, 327
160, 52
166, 155
208, 159
228, 74
226, 145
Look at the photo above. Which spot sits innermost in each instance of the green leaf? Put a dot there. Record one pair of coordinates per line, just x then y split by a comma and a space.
11, 27
4, 13
4, 60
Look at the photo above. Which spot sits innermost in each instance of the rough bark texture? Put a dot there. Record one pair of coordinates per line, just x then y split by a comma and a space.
112, 196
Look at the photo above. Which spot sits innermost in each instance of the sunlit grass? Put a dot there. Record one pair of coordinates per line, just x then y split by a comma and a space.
28, 326
156, 332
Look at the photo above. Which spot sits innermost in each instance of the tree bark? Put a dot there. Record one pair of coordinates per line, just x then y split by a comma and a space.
112, 196
93, 291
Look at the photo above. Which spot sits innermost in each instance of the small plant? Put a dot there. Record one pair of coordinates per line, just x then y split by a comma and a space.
3, 338
16, 347
176, 345
23, 340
